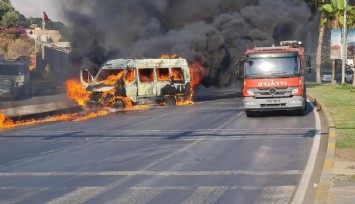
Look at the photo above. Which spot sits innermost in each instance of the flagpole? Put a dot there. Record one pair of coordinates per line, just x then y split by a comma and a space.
43, 23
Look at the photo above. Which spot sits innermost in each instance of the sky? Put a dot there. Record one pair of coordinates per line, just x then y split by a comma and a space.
33, 8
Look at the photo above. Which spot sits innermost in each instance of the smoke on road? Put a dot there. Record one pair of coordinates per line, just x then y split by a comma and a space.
212, 31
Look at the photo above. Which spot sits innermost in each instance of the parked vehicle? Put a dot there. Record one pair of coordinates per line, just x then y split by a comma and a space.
274, 78
141, 81
15, 80
326, 77
349, 72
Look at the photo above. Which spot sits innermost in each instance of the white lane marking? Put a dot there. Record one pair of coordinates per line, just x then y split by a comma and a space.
154, 173
21, 194
222, 136
206, 195
276, 195
145, 132
162, 188
141, 195
190, 188
307, 174
78, 196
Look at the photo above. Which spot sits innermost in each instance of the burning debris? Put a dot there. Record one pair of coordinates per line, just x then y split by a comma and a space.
7, 123
214, 32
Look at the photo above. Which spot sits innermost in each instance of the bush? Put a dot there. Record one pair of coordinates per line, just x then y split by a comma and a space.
14, 42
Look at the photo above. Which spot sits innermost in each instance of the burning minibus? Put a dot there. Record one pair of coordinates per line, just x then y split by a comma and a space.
125, 82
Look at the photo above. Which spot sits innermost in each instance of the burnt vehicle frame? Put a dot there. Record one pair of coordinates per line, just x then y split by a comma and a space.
141, 81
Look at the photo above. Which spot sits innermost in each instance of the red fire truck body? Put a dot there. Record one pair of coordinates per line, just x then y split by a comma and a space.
274, 78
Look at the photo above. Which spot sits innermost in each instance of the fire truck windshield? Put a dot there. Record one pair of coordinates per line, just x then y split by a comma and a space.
266, 67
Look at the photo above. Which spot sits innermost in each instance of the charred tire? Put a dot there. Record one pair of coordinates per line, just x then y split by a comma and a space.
250, 113
170, 101
119, 104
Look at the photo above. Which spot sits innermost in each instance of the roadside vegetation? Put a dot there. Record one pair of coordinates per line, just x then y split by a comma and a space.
332, 17
340, 101
14, 41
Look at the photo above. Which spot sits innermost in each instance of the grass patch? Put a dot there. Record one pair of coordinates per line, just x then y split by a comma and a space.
345, 139
346, 178
340, 101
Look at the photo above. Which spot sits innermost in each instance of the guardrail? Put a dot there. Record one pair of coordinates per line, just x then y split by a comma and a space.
50, 45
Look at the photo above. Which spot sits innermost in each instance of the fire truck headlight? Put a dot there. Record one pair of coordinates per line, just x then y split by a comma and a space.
267, 66
250, 92
294, 91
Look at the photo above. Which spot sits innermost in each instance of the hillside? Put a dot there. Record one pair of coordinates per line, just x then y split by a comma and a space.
14, 43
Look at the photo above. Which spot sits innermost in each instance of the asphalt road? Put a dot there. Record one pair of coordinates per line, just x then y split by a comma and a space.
209, 152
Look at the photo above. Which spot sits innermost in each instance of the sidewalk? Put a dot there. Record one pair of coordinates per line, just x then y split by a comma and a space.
36, 105
342, 191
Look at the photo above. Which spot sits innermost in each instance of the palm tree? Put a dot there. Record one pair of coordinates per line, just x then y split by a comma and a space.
315, 6
332, 14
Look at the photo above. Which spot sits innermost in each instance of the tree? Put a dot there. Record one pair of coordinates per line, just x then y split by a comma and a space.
23, 21
5, 7
333, 16
315, 5
10, 20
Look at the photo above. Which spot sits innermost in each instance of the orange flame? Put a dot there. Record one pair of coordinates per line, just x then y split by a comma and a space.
177, 74
197, 72
167, 56
7, 123
112, 79
163, 74
129, 76
77, 92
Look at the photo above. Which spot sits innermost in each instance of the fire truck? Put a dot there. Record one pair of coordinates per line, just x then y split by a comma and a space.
274, 78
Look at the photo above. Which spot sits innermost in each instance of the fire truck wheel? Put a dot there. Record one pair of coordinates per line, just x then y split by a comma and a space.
119, 104
250, 113
170, 101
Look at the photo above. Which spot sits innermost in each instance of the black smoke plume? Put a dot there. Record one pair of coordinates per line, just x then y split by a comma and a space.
212, 31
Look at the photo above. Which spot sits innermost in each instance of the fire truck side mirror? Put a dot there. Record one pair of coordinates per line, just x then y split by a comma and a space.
239, 62
239, 67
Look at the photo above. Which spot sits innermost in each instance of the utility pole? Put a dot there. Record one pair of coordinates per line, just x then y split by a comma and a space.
345, 46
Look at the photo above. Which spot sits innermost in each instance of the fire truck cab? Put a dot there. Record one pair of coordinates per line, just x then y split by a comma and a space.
274, 78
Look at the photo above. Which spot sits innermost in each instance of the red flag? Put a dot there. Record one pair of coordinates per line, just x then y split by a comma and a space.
45, 17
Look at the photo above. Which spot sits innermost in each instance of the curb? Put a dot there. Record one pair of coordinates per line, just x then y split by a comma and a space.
22, 111
326, 175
